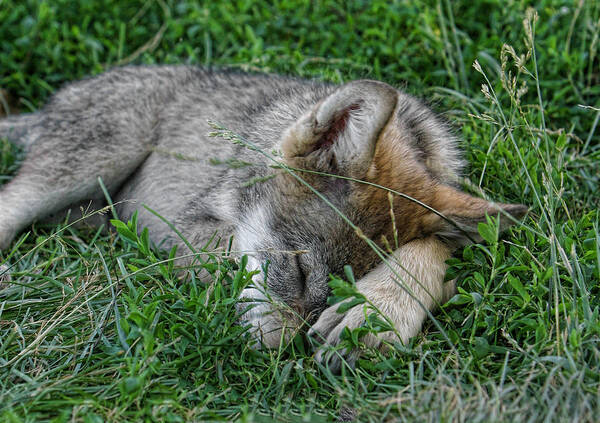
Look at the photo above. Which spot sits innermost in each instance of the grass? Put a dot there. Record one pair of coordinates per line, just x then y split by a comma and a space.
99, 327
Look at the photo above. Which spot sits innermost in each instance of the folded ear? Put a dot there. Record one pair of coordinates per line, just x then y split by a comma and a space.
345, 125
467, 212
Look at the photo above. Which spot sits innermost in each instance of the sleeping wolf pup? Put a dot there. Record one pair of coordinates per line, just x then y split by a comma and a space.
131, 126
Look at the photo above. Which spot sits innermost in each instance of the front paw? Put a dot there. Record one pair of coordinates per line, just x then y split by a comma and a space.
328, 329
272, 323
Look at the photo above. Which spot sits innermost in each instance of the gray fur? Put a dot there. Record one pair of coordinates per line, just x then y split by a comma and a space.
143, 130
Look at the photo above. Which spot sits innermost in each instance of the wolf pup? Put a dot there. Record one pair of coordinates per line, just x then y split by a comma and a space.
131, 126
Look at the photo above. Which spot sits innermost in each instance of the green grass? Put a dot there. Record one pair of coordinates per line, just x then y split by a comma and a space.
98, 327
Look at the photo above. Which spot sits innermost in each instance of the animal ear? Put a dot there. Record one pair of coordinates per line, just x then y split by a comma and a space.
467, 212
345, 125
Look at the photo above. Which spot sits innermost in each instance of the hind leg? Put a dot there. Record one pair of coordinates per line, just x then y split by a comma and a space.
30, 197
62, 168
100, 127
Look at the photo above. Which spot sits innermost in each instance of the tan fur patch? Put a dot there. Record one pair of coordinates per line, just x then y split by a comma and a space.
395, 166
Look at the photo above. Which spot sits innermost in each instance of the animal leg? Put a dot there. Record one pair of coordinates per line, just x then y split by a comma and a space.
403, 293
